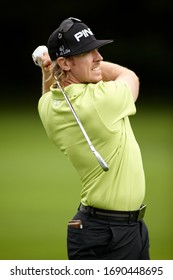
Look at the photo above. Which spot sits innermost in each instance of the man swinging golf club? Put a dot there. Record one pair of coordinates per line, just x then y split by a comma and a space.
85, 107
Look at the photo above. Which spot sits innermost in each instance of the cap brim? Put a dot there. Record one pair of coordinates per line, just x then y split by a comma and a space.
95, 44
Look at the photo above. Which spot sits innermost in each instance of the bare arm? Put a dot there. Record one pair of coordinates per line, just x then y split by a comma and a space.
111, 71
46, 74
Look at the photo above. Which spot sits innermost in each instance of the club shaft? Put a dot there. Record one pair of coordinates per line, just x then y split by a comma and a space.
95, 152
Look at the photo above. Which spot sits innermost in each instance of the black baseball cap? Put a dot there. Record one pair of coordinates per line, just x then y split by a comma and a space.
72, 37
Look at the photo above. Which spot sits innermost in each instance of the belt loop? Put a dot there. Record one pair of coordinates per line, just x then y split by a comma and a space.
91, 211
129, 217
132, 216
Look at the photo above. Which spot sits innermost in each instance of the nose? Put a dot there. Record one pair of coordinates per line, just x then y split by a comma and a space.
98, 56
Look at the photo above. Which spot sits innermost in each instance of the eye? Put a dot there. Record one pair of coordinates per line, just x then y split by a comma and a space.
83, 54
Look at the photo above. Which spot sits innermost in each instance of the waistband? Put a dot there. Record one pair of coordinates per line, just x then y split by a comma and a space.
126, 216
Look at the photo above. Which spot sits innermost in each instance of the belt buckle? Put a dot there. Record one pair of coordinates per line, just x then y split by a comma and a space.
141, 212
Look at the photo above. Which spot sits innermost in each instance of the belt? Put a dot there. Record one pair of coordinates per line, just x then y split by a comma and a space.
126, 216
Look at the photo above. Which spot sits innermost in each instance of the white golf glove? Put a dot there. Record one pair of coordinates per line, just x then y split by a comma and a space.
36, 55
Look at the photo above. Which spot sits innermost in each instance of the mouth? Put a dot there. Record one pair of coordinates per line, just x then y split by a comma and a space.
96, 69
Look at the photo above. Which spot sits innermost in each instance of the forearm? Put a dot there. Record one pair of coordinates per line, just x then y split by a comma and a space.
46, 82
112, 72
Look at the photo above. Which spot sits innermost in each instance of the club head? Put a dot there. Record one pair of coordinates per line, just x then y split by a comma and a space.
101, 161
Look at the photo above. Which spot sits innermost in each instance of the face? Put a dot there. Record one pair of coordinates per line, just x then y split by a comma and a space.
85, 68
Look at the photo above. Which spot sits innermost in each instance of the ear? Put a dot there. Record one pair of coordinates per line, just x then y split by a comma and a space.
63, 63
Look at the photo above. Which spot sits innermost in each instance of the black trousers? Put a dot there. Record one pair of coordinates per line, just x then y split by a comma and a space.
106, 239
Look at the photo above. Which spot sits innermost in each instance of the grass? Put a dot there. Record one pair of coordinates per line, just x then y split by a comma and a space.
40, 190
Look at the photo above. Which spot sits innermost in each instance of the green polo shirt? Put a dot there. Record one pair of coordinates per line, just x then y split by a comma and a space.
103, 109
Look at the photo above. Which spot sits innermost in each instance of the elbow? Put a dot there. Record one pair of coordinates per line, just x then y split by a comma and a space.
135, 88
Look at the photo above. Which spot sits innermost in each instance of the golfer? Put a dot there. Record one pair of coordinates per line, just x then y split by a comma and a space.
108, 223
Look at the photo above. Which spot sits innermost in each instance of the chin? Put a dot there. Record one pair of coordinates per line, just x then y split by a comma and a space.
97, 79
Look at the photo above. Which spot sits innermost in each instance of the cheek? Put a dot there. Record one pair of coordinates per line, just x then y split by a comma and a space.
83, 73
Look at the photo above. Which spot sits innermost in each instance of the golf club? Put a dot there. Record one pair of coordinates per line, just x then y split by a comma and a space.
36, 58
97, 155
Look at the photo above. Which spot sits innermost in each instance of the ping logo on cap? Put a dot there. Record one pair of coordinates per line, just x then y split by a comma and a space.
83, 33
